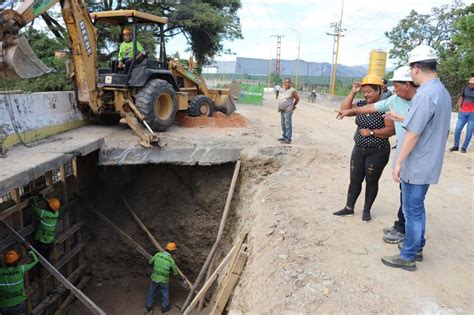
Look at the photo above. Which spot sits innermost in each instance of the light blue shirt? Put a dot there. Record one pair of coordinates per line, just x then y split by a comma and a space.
398, 105
428, 117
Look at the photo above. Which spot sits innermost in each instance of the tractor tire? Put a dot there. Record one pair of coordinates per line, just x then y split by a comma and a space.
201, 106
157, 103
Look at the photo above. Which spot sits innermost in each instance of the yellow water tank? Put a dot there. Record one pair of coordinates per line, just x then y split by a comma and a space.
377, 62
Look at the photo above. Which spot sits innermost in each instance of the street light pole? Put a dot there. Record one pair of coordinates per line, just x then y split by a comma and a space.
298, 58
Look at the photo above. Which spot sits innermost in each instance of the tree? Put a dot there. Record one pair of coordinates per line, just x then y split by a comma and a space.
205, 24
449, 30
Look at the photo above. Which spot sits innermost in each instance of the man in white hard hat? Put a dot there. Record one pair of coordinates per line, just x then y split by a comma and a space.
396, 107
420, 153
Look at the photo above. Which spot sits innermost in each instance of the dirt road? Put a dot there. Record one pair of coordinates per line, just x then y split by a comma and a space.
305, 260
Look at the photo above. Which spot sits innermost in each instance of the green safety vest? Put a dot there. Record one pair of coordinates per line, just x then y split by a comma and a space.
163, 266
126, 50
46, 230
12, 288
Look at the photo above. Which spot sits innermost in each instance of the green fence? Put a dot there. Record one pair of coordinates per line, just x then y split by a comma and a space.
251, 94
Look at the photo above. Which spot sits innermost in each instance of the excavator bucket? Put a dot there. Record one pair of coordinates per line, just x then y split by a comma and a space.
224, 102
19, 61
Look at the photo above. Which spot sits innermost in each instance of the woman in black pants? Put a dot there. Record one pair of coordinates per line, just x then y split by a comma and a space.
372, 148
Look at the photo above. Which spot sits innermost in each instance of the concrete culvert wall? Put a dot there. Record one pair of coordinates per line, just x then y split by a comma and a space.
183, 204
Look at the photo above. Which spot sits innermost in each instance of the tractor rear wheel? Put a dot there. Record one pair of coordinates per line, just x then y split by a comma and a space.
201, 106
157, 102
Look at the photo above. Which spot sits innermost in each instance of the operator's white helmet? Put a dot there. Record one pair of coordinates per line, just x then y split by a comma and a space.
422, 53
402, 74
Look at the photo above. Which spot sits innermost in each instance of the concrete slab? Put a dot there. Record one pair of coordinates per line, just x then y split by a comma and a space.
22, 164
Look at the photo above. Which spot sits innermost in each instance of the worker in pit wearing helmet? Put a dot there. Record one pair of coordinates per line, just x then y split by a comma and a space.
12, 289
371, 150
163, 266
47, 211
125, 54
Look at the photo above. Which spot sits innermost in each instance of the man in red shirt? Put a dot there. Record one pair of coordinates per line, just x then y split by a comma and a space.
465, 116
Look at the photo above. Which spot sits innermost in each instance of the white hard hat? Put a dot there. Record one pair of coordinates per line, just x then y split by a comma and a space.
422, 53
402, 74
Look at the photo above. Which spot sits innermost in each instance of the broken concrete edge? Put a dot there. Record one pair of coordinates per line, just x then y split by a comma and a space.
194, 156
31, 136
24, 177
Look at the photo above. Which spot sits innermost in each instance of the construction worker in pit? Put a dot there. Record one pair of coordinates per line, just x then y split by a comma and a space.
125, 54
163, 266
47, 211
12, 288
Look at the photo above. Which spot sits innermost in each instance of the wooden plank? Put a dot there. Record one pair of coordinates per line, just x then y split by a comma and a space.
124, 235
78, 293
228, 284
18, 207
235, 249
53, 298
69, 232
219, 234
152, 238
68, 301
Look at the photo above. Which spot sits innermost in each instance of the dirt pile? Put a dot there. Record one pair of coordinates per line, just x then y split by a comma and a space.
218, 120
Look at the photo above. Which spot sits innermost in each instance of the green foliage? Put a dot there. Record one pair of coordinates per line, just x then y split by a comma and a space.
205, 23
275, 79
45, 48
449, 29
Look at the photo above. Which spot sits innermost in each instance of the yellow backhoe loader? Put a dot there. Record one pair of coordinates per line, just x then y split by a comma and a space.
147, 94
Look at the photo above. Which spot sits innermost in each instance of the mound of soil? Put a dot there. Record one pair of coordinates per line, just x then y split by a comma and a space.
218, 120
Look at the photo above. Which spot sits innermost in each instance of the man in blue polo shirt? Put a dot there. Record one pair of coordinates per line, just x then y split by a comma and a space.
420, 153
396, 106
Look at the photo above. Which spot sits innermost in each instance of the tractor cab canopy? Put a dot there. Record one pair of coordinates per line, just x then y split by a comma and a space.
138, 23
123, 17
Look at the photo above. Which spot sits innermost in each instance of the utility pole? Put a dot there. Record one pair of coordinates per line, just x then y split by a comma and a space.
278, 56
298, 58
337, 33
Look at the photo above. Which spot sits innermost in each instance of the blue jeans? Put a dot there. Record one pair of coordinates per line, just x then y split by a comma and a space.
165, 295
14, 310
463, 119
415, 219
286, 124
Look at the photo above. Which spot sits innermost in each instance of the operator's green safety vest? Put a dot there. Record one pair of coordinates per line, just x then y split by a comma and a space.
46, 230
126, 50
163, 267
12, 288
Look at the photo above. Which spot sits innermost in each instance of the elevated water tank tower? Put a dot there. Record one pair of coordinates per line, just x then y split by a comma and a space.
377, 62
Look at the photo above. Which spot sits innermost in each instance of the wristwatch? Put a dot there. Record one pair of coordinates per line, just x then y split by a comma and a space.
371, 132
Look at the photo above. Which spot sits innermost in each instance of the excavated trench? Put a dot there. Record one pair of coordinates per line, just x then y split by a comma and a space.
183, 204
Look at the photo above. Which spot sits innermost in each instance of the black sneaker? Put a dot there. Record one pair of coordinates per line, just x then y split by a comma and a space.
463, 150
343, 212
286, 141
166, 309
281, 139
454, 149
148, 308
366, 216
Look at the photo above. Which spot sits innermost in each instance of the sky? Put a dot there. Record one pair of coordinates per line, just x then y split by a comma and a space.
365, 22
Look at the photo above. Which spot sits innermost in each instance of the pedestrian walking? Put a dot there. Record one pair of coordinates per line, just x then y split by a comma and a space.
465, 116
420, 153
277, 90
286, 105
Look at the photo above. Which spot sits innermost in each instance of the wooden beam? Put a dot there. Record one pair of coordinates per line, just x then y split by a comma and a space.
228, 284
219, 234
19, 206
235, 249
46, 264
124, 235
152, 238
68, 301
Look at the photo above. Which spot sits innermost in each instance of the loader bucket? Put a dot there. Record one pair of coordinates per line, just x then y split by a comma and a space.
19, 61
224, 102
